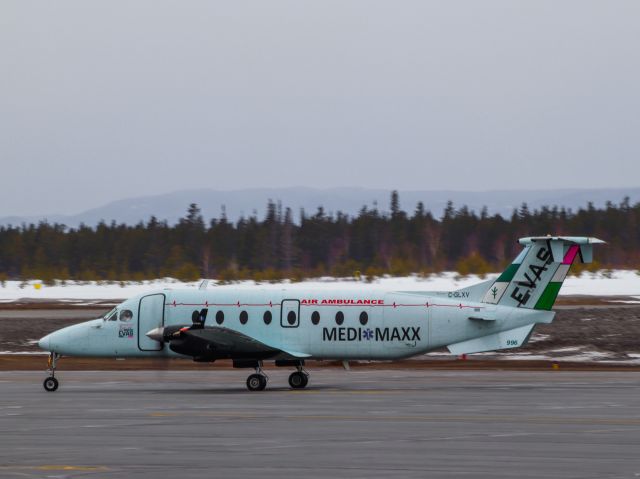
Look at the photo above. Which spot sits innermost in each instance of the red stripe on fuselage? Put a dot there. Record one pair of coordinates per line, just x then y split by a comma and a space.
277, 305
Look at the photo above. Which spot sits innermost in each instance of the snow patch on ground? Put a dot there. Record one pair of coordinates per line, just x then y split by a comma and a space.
567, 349
617, 282
24, 353
526, 357
537, 337
589, 356
580, 355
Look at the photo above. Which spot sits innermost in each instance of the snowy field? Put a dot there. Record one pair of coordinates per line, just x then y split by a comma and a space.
604, 283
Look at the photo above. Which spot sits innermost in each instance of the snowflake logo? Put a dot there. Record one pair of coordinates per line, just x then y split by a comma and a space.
367, 334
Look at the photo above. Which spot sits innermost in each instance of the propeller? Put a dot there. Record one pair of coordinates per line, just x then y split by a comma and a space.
167, 333
198, 318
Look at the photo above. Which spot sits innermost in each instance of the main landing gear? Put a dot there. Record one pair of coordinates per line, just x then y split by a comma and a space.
51, 383
258, 380
299, 379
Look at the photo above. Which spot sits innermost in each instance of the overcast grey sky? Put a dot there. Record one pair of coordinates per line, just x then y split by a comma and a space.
104, 100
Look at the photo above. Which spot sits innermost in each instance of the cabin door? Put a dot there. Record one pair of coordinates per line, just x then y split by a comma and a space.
294, 337
290, 313
150, 316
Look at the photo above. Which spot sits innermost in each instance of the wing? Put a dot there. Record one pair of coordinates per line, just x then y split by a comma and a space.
231, 342
211, 343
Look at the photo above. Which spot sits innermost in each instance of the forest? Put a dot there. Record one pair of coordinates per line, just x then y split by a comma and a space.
370, 244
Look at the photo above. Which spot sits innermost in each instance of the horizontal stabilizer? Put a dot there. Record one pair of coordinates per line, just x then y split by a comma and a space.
513, 338
580, 240
558, 244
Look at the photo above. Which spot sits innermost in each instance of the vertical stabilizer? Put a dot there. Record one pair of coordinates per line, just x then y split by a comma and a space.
534, 278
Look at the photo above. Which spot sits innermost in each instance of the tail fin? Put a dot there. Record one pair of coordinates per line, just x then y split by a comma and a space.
534, 278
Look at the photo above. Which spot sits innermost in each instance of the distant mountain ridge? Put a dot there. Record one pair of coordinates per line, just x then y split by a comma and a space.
239, 203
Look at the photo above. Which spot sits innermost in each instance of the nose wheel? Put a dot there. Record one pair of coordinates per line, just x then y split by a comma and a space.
51, 383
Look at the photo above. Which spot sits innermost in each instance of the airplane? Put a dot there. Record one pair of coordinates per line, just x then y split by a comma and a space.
289, 327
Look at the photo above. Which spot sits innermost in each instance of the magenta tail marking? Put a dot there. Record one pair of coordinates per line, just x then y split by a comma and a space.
571, 254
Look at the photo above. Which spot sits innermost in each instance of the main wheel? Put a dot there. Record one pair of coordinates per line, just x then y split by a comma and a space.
263, 382
298, 380
256, 382
50, 384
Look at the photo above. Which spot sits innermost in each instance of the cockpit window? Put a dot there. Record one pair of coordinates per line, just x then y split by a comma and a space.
111, 315
126, 315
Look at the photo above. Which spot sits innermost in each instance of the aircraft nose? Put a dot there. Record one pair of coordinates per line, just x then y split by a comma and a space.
45, 343
72, 340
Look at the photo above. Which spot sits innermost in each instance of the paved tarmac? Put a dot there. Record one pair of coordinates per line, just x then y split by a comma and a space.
364, 424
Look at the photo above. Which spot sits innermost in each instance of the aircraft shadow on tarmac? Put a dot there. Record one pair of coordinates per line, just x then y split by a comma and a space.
222, 391
115, 389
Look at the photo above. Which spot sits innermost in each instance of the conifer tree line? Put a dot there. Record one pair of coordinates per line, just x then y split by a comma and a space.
371, 243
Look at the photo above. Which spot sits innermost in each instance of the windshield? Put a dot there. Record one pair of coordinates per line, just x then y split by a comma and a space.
111, 315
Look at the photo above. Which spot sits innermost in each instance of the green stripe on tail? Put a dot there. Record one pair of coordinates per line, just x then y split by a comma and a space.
508, 274
548, 297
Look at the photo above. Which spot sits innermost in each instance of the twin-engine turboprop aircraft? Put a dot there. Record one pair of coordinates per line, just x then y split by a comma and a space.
291, 326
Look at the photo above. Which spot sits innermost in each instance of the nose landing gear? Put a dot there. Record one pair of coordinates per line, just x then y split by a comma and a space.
51, 383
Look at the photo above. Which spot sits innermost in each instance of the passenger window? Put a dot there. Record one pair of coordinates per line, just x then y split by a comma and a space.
364, 317
291, 318
267, 317
219, 317
339, 318
126, 315
315, 317
244, 317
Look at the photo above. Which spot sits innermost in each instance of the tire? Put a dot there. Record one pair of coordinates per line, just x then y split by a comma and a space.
298, 380
50, 384
306, 380
256, 382
263, 382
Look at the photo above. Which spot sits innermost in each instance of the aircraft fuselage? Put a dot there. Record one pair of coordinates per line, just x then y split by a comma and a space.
307, 324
